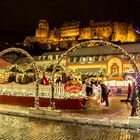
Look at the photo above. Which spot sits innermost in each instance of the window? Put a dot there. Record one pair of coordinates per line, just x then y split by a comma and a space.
126, 69
115, 69
50, 57
90, 58
74, 59
84, 59
77, 59
71, 59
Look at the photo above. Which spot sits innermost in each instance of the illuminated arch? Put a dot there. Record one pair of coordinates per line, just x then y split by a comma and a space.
91, 43
18, 50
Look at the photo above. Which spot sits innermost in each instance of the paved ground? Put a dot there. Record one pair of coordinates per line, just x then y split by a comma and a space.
117, 111
21, 128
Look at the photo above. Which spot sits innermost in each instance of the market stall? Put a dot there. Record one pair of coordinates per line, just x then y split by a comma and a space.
74, 104
4, 65
24, 95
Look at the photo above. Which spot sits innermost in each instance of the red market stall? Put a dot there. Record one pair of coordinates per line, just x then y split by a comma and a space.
74, 104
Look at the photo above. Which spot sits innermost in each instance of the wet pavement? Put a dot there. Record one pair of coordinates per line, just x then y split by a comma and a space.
117, 110
25, 128
21, 128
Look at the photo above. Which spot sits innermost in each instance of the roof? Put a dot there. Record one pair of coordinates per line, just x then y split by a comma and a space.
4, 64
105, 50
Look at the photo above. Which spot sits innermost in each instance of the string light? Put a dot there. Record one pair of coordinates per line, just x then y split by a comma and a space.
18, 50
128, 57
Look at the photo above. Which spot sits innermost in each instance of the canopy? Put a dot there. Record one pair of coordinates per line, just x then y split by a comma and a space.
4, 64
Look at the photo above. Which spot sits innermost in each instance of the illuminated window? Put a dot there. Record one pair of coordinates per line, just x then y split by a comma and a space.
115, 69
50, 57
84, 59
126, 69
74, 59
90, 58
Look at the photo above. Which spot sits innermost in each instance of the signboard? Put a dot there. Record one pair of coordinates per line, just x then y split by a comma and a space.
73, 86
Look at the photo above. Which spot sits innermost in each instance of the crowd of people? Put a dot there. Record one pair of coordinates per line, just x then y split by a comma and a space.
97, 89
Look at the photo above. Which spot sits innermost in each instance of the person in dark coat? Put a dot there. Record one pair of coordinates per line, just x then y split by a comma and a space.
88, 89
104, 94
129, 92
58, 80
64, 78
134, 103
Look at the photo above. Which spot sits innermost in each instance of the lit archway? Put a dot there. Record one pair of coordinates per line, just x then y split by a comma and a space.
114, 65
92, 43
18, 50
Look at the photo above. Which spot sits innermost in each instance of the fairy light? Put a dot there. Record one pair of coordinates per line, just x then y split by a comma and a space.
18, 50
128, 57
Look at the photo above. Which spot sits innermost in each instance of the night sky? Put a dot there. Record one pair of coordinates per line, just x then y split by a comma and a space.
23, 15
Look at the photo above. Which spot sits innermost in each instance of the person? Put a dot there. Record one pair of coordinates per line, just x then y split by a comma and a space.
105, 94
88, 89
68, 78
84, 88
45, 80
134, 103
58, 80
64, 78
133, 87
129, 91
97, 91
119, 91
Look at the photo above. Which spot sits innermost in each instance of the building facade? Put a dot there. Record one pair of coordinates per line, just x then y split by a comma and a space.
71, 33
95, 58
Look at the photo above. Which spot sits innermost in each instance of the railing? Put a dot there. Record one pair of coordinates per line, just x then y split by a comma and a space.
15, 89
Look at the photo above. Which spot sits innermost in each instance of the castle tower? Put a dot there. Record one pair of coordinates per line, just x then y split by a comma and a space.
120, 31
43, 29
131, 36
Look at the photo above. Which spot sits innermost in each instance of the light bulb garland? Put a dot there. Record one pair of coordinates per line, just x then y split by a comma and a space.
18, 50
67, 53
115, 47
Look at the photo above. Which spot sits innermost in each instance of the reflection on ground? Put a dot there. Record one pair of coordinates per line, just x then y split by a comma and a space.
117, 110
20, 128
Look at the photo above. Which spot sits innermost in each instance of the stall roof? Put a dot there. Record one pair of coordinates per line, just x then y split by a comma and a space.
4, 64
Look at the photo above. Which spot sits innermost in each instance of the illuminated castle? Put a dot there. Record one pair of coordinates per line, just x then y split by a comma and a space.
72, 32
